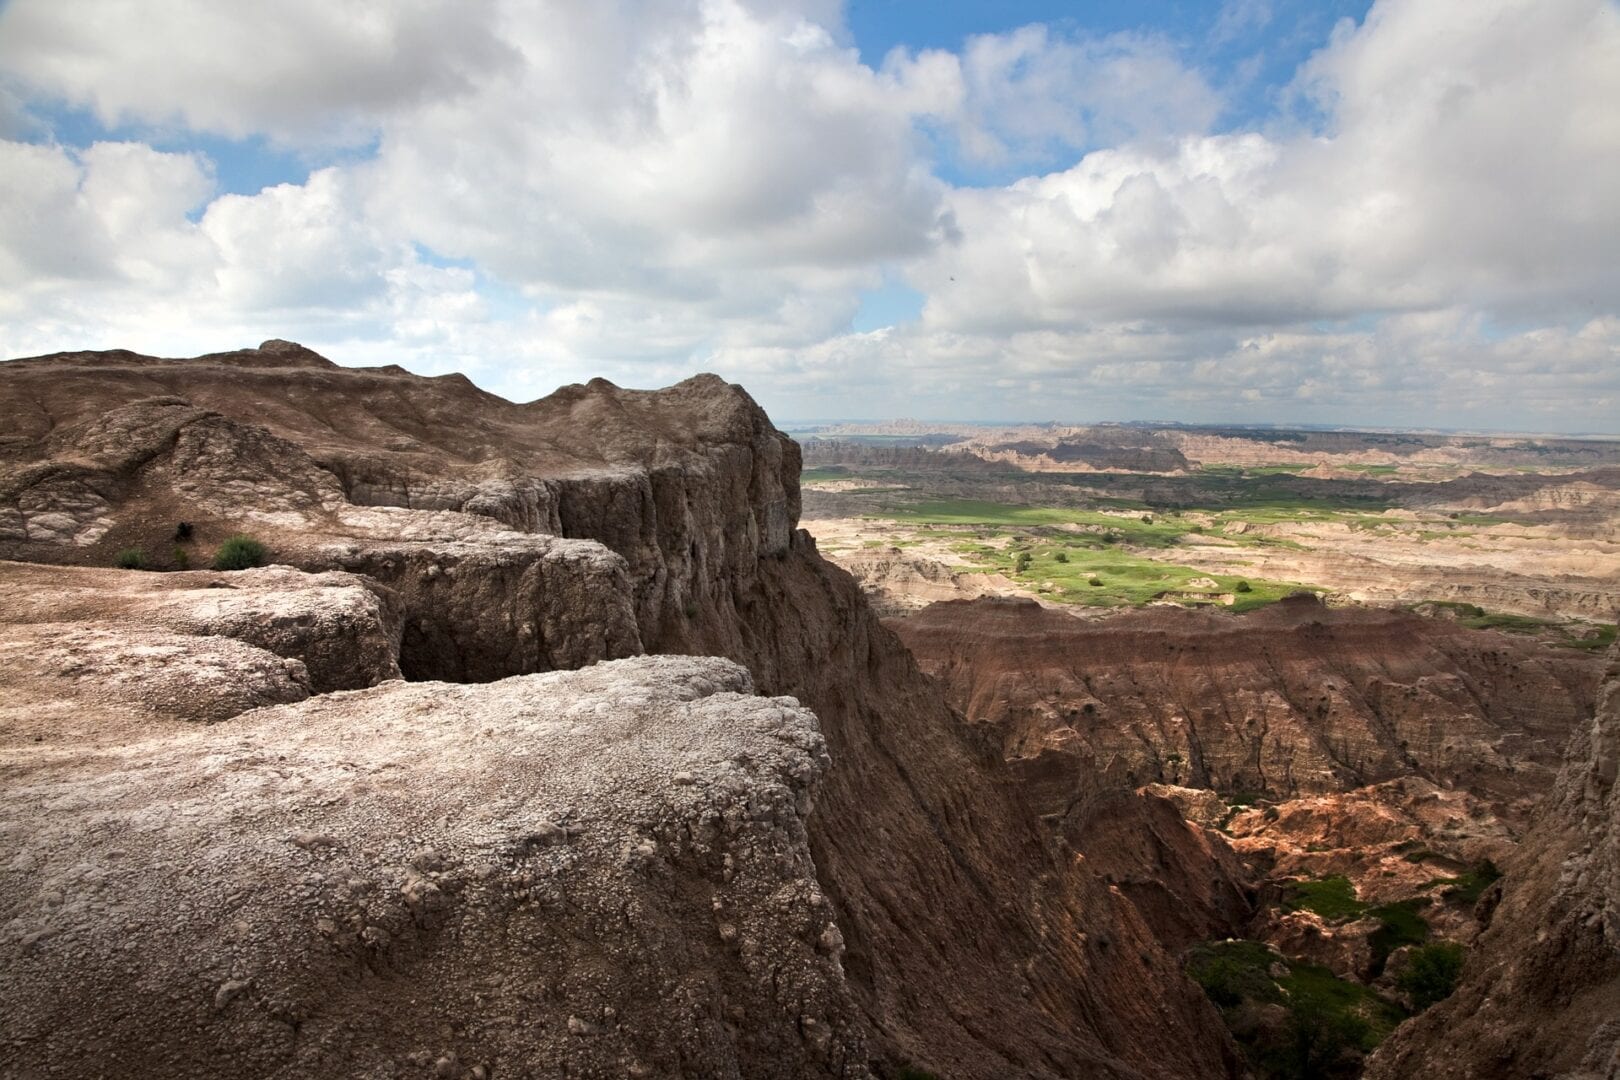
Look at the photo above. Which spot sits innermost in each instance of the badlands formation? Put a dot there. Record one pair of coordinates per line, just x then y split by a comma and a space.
656, 795
549, 745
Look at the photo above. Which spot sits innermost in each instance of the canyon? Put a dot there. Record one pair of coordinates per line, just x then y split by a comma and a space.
862, 893
549, 743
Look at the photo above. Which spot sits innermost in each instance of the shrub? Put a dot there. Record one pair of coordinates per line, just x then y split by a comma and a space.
1243, 586
240, 553
1432, 974
182, 558
130, 559
182, 532
1062, 556
1094, 582
1023, 561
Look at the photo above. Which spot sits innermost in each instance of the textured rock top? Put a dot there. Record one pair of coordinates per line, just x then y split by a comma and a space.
602, 872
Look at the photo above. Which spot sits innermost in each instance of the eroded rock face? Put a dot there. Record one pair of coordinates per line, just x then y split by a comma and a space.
598, 873
975, 944
1292, 699
1541, 995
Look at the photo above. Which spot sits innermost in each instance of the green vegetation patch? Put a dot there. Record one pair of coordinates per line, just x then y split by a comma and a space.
1432, 973
131, 558
1326, 1024
240, 553
1467, 888
1398, 924
1333, 898
823, 473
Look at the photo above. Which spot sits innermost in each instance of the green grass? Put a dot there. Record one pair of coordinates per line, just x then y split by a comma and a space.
1333, 898
1398, 924
1467, 888
132, 558
1065, 563
1130, 530
1604, 637
1127, 578
822, 473
1329, 1022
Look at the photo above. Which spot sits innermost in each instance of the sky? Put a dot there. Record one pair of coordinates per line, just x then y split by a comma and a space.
1399, 213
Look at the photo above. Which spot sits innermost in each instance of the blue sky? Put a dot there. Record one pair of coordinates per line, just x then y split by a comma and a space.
1241, 210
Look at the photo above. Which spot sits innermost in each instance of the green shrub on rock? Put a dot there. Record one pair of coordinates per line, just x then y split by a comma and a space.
240, 553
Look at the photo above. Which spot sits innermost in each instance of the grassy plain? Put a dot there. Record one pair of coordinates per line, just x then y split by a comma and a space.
1233, 536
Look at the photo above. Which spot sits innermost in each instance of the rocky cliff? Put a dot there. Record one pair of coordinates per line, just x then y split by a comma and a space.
949, 932
1541, 995
1294, 698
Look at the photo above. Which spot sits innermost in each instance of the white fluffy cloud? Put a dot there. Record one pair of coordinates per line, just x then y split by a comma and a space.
1468, 160
295, 69
539, 193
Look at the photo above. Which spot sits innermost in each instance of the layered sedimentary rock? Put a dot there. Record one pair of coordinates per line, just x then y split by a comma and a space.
615, 522
1541, 994
1292, 699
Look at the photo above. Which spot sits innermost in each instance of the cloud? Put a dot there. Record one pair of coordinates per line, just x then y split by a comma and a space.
1452, 172
537, 193
295, 69
1030, 95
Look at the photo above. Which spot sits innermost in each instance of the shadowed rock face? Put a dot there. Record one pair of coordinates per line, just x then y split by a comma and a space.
590, 525
1541, 994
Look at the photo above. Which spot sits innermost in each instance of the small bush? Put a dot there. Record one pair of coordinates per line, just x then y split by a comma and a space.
1062, 556
182, 558
1023, 562
1243, 586
182, 532
1432, 974
240, 553
130, 559
1094, 582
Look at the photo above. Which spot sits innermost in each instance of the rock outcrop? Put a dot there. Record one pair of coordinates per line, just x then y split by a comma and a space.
603, 522
1541, 995
598, 873
1292, 699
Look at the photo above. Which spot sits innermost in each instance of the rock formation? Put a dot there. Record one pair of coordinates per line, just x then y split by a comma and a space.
934, 925
1541, 995
1295, 698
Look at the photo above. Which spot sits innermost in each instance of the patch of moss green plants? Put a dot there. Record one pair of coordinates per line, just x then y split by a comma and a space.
1432, 973
1398, 924
1333, 898
1328, 1024
1470, 885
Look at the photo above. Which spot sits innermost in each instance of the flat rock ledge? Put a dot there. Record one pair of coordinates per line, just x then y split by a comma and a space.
594, 873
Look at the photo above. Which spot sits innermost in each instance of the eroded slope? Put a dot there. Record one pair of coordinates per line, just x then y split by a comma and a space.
598, 523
